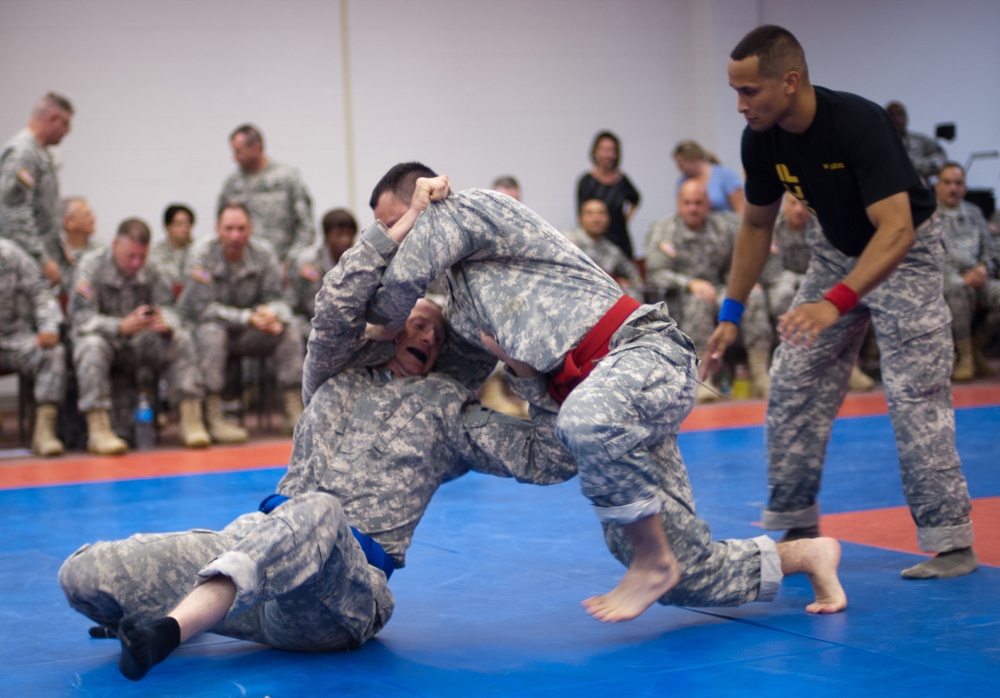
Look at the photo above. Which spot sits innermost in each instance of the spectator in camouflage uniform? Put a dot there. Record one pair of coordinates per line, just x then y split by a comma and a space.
233, 298
884, 267
121, 315
29, 190
970, 282
167, 256
688, 255
594, 220
517, 283
306, 271
29, 340
379, 435
277, 198
76, 240
926, 154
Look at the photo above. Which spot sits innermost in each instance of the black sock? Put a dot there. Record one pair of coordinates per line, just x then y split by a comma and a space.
800, 533
144, 645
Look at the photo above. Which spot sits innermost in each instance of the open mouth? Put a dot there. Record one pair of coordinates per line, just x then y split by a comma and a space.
419, 354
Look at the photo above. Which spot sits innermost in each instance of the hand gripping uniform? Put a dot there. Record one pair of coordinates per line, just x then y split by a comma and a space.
369, 452
514, 277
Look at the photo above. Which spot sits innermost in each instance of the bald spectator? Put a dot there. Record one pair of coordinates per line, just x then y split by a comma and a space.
76, 240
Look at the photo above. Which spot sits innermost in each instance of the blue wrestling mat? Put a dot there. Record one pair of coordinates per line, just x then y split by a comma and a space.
488, 604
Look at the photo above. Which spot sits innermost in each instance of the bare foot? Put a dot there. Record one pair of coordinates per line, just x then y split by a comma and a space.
641, 586
818, 558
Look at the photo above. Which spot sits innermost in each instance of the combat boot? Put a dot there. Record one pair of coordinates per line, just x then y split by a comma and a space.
983, 368
292, 401
760, 379
965, 365
221, 431
44, 441
101, 440
859, 381
192, 426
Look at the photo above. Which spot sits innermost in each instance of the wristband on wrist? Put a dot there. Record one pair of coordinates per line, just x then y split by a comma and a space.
842, 296
731, 311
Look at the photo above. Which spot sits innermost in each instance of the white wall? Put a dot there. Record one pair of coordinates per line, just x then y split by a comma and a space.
475, 88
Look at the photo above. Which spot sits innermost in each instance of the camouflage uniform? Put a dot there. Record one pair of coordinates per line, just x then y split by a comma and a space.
101, 298
23, 288
218, 299
168, 261
609, 257
786, 267
68, 260
29, 197
926, 154
675, 255
381, 446
305, 277
968, 243
911, 322
279, 204
513, 276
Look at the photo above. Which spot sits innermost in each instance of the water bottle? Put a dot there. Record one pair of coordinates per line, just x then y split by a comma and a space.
144, 439
741, 383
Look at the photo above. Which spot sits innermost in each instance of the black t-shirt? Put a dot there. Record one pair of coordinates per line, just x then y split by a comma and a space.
850, 157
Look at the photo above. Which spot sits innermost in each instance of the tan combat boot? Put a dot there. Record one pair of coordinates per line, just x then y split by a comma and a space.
44, 441
101, 440
859, 381
760, 379
192, 426
292, 401
965, 365
222, 432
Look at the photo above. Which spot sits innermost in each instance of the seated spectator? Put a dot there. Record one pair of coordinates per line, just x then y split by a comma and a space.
121, 316
167, 256
607, 182
724, 186
233, 298
970, 283
926, 153
786, 268
594, 221
688, 255
29, 340
76, 240
307, 269
507, 185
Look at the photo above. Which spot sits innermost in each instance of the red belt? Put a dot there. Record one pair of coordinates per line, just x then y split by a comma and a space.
592, 348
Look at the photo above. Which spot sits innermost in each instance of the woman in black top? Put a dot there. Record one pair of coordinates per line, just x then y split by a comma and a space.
606, 182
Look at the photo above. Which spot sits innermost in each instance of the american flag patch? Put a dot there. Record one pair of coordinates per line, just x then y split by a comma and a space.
309, 272
201, 274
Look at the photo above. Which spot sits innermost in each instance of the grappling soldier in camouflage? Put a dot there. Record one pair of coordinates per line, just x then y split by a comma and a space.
379, 435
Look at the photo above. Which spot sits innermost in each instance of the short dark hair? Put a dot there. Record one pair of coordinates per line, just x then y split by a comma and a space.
173, 209
776, 48
579, 209
401, 180
601, 135
135, 229
232, 204
250, 132
52, 101
506, 181
338, 218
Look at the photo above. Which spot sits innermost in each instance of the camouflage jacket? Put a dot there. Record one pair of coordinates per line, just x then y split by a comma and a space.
29, 197
21, 288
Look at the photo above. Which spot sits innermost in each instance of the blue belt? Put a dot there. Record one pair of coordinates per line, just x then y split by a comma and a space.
374, 553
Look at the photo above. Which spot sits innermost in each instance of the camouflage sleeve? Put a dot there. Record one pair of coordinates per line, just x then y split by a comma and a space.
273, 285
436, 242
988, 248
525, 449
198, 303
18, 182
84, 306
661, 257
304, 233
48, 315
338, 326
163, 297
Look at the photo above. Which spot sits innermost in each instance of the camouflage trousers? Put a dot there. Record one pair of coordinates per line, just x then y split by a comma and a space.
964, 301
94, 356
47, 367
808, 384
698, 319
302, 580
216, 343
621, 425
